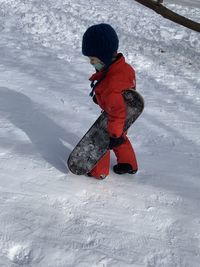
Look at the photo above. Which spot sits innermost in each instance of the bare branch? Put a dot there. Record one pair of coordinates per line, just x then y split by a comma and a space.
168, 14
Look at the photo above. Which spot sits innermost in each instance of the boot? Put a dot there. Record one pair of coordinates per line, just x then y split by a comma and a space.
122, 168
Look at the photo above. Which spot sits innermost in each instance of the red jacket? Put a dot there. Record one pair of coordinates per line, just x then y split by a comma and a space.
121, 76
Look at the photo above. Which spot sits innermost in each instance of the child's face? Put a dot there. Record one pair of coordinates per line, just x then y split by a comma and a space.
94, 60
96, 63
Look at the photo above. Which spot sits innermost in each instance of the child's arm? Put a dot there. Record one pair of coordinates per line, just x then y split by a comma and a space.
116, 109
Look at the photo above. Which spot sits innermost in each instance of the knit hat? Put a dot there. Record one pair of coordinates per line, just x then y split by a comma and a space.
100, 41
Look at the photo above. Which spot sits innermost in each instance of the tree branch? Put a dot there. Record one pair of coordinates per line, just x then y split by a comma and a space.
168, 14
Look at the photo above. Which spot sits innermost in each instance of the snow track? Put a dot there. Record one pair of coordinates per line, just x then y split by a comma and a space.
50, 217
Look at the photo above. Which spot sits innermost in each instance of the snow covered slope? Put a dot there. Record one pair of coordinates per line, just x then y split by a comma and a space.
50, 217
190, 3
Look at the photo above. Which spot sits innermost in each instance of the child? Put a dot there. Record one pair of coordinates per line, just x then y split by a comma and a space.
113, 76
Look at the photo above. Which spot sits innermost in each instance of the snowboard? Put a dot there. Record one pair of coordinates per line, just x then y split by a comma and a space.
94, 144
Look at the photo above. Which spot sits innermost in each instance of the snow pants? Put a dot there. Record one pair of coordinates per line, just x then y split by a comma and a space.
124, 154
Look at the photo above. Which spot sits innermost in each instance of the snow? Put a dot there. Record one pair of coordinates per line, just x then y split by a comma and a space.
50, 217
190, 3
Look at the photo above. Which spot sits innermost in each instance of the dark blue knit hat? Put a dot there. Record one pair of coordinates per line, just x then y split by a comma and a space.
100, 41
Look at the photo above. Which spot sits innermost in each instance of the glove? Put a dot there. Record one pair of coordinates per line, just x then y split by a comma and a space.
115, 142
95, 99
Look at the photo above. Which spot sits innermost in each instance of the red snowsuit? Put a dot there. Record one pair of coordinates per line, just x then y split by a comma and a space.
120, 77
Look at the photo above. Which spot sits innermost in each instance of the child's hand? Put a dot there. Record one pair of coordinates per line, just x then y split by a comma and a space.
115, 142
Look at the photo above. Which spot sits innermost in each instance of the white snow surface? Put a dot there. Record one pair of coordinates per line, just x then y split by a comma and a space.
50, 217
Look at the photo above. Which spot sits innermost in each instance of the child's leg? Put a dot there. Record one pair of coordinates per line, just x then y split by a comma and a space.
102, 167
126, 154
